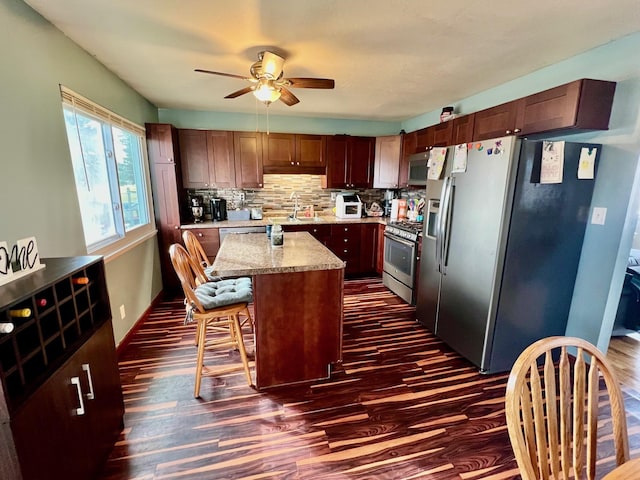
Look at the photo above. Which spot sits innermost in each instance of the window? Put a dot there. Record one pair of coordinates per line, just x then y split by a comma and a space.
108, 157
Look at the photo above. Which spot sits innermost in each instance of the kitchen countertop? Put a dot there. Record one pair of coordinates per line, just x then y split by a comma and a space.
324, 220
252, 254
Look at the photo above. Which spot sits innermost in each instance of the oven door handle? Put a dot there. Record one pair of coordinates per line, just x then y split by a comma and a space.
400, 240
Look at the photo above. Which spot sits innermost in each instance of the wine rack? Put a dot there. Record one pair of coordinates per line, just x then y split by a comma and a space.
62, 313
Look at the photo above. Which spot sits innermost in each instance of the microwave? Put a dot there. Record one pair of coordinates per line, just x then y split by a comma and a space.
348, 205
418, 164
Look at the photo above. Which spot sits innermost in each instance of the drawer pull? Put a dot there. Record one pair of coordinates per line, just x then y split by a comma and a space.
76, 381
86, 368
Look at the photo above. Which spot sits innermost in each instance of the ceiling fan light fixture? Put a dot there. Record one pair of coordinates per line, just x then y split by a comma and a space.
271, 65
266, 91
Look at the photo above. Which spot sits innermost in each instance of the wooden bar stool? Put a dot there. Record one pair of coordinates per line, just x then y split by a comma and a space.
215, 313
200, 259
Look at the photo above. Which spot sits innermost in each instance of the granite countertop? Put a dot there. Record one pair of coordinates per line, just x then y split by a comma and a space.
323, 220
252, 254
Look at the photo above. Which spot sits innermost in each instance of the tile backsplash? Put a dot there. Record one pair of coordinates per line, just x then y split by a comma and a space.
275, 196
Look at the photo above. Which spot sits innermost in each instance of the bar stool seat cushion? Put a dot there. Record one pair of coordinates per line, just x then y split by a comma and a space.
224, 292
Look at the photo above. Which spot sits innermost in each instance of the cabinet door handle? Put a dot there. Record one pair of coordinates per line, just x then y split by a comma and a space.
86, 368
76, 381
508, 132
177, 227
516, 130
199, 234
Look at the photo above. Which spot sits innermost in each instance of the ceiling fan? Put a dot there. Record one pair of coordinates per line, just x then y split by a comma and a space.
269, 83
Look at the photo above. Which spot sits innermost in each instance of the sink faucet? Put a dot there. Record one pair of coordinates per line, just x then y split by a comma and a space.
294, 196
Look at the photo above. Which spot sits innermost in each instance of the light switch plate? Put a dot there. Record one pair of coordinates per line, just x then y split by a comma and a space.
598, 216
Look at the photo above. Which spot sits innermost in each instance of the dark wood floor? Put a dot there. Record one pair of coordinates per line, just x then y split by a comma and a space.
401, 406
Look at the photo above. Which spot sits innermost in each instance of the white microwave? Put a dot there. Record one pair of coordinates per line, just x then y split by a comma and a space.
418, 164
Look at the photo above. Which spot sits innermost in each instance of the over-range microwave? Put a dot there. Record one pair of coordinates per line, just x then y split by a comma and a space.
418, 163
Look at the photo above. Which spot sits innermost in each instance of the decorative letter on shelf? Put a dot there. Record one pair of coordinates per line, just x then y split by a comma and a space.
19, 260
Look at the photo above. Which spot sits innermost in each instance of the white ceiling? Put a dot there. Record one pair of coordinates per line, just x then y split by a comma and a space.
391, 59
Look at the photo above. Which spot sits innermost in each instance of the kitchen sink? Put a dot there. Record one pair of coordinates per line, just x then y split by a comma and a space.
289, 220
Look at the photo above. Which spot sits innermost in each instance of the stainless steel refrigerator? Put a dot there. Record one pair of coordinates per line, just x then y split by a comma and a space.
500, 250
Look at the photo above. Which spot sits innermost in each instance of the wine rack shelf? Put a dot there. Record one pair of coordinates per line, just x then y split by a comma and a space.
63, 314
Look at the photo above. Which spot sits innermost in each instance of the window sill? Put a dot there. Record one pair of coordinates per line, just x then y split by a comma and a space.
113, 251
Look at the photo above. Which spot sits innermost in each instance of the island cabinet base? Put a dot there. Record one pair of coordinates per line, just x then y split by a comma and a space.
298, 325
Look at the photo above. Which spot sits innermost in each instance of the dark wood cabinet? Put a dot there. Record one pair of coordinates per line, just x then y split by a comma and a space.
61, 402
209, 238
294, 153
498, 121
388, 154
166, 187
462, 129
424, 139
337, 159
360, 166
168, 200
345, 243
368, 247
581, 105
438, 135
322, 233
248, 159
207, 158
162, 139
409, 145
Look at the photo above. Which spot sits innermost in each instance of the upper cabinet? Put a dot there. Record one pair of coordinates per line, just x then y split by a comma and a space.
293, 153
207, 159
409, 145
498, 121
248, 159
581, 105
438, 135
350, 161
388, 154
462, 129
162, 141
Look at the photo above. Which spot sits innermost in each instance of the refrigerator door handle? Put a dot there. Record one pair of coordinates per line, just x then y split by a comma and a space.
445, 223
439, 226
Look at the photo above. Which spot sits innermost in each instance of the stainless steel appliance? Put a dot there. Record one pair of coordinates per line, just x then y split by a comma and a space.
218, 209
498, 266
401, 241
223, 232
197, 208
418, 163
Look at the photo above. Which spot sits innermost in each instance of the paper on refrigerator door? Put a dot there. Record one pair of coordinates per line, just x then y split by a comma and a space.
586, 165
437, 157
552, 165
459, 159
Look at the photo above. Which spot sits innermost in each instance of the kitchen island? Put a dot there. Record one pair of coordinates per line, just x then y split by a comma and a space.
298, 299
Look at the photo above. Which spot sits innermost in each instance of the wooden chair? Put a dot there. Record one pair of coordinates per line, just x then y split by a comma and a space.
194, 247
200, 259
552, 417
220, 319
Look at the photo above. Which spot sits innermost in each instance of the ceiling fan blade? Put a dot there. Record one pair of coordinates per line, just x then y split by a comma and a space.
240, 92
311, 82
272, 64
287, 97
223, 74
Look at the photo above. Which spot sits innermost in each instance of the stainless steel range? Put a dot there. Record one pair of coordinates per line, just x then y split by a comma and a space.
401, 250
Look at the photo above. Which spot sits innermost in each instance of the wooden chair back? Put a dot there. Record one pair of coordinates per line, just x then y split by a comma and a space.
188, 274
194, 247
552, 411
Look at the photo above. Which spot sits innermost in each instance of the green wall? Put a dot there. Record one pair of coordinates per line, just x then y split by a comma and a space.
38, 192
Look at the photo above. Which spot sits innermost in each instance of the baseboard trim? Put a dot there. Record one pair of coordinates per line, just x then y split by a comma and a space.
122, 346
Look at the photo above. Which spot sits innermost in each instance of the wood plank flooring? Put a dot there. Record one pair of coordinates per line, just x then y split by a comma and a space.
401, 406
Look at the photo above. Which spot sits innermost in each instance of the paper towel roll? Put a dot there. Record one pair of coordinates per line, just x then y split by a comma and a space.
395, 206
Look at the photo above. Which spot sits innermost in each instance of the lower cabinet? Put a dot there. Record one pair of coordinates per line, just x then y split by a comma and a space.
209, 238
345, 243
68, 427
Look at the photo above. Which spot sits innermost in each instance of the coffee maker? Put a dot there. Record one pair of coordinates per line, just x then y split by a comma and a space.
389, 195
218, 209
197, 209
